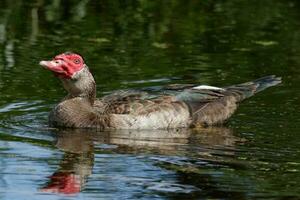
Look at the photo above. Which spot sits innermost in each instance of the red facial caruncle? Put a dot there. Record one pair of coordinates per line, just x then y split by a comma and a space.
64, 65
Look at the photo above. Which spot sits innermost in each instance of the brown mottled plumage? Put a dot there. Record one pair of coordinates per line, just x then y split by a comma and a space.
172, 106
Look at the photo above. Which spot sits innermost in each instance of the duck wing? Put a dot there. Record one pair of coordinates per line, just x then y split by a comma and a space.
137, 102
212, 105
206, 105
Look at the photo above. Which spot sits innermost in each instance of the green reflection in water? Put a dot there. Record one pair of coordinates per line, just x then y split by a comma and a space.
146, 43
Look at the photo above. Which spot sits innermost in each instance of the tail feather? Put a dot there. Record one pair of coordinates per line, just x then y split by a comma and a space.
211, 105
248, 89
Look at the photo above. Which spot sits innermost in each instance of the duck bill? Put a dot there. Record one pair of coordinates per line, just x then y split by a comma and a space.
53, 66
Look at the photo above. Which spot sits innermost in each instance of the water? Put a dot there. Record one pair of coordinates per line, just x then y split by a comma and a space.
134, 44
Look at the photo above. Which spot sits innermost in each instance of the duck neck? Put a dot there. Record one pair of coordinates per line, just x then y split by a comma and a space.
81, 85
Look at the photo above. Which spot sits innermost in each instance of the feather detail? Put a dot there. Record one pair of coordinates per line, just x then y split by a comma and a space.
207, 87
172, 106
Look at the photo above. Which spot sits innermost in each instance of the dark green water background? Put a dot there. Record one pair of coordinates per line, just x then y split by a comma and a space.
132, 44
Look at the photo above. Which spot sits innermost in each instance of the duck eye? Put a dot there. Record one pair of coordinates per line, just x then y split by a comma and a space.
77, 61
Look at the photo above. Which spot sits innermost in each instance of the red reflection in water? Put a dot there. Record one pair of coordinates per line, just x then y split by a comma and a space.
63, 182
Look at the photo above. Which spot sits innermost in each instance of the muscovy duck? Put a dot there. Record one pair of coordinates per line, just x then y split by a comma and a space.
171, 106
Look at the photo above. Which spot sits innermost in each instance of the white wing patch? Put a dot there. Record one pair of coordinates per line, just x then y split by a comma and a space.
207, 87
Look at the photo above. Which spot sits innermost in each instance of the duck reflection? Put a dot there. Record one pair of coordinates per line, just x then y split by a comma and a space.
79, 146
76, 164
167, 142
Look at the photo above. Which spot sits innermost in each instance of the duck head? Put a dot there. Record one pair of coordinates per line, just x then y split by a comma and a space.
71, 69
64, 65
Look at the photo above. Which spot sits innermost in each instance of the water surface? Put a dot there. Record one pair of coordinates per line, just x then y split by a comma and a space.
141, 43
